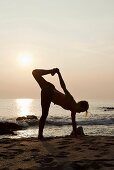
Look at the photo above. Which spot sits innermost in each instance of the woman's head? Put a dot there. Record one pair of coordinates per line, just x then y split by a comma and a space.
83, 106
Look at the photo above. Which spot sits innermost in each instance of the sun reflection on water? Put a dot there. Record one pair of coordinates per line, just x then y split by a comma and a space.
24, 106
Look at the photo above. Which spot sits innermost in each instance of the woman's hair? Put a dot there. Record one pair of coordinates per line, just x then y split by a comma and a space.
84, 104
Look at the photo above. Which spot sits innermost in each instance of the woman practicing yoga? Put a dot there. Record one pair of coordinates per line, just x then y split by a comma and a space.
50, 94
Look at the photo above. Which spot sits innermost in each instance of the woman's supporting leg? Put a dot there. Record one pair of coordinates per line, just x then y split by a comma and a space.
45, 103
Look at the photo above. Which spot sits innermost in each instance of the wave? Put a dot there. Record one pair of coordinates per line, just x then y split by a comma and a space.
107, 122
31, 123
88, 122
27, 123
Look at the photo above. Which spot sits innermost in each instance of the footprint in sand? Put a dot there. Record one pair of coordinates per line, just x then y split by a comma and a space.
109, 143
87, 145
34, 153
11, 153
35, 150
5, 155
62, 147
65, 142
47, 162
107, 164
77, 149
27, 159
5, 168
17, 151
85, 165
62, 154
76, 165
98, 156
9, 146
93, 148
3, 141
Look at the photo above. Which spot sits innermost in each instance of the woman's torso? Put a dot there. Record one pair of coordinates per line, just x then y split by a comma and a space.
63, 100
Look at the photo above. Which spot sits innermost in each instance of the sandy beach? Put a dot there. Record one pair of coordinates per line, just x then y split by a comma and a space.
88, 152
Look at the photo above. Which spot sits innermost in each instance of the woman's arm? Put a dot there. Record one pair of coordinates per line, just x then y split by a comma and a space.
62, 83
74, 124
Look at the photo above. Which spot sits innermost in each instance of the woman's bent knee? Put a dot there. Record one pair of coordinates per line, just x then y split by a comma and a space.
35, 73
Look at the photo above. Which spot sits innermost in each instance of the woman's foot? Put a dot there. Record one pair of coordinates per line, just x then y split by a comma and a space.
41, 137
79, 132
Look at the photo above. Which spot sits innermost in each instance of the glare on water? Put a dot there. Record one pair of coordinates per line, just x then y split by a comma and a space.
24, 106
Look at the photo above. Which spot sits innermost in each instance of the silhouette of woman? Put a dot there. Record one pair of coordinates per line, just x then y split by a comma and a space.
50, 94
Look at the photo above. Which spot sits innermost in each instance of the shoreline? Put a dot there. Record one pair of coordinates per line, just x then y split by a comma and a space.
87, 152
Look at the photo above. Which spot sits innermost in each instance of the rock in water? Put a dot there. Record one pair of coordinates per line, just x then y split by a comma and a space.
6, 132
9, 126
24, 118
31, 117
30, 120
21, 118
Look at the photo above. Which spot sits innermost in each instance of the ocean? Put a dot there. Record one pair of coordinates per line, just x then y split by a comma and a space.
100, 120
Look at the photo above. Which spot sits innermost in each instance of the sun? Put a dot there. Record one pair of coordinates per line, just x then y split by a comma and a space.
25, 59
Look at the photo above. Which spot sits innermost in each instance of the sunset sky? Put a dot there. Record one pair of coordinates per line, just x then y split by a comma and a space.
77, 36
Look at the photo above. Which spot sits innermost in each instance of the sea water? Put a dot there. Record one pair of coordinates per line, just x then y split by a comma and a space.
100, 120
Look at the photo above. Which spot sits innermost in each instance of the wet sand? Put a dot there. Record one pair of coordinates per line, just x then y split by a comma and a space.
67, 153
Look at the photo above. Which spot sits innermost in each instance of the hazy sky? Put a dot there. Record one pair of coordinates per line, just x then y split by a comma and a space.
76, 36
